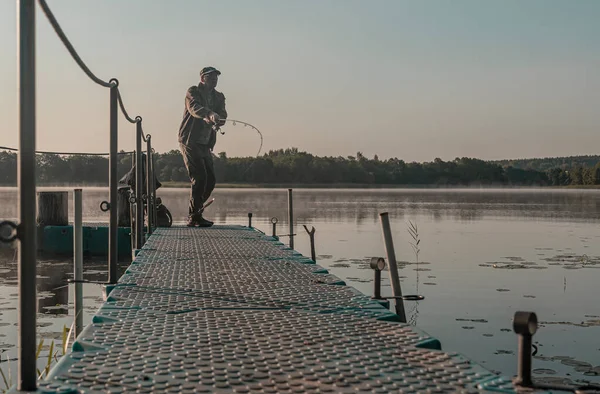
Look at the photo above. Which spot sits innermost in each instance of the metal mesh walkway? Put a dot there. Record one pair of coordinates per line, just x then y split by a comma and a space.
229, 309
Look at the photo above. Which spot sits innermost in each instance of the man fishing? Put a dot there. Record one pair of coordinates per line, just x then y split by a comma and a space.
204, 112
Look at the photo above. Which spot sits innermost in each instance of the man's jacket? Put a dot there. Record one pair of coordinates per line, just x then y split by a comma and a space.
198, 104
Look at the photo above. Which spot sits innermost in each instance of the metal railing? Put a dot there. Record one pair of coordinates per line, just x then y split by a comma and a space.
25, 232
78, 259
150, 184
137, 200
113, 227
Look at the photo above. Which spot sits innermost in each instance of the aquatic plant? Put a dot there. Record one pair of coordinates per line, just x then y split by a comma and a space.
53, 357
413, 230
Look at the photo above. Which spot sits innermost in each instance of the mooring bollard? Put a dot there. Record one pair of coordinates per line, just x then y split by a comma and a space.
525, 325
391, 255
311, 234
250, 219
377, 265
291, 217
78, 259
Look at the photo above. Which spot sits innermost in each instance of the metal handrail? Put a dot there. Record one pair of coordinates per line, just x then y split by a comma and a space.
116, 101
152, 205
124, 111
26, 231
138, 201
113, 226
149, 216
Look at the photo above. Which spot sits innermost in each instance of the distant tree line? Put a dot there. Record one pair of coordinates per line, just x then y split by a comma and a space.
291, 166
57, 169
550, 163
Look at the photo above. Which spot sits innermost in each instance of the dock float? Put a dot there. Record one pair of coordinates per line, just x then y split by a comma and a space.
58, 240
230, 309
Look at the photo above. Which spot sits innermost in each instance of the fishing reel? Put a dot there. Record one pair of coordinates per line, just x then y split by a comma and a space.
217, 128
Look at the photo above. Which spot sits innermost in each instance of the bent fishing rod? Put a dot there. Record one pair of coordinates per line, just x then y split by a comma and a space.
234, 122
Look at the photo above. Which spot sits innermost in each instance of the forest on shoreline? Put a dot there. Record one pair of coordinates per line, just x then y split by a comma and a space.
293, 167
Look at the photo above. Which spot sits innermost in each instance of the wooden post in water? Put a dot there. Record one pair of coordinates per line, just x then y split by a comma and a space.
53, 209
393, 270
311, 234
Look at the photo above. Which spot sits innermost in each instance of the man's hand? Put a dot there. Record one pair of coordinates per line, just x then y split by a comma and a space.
214, 118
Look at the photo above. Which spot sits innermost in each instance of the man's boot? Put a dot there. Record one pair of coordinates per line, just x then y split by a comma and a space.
192, 221
198, 220
203, 222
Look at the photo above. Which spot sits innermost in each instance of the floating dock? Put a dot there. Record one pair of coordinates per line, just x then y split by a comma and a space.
230, 309
58, 240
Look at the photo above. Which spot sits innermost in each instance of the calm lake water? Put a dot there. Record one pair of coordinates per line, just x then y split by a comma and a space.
485, 254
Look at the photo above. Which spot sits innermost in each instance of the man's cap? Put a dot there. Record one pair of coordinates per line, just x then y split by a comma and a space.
208, 70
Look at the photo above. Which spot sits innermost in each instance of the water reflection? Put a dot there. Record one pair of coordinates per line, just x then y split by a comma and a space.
53, 274
53, 293
485, 254
363, 205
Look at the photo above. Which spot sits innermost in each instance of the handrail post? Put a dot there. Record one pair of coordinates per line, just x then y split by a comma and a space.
291, 217
153, 181
139, 188
148, 185
131, 208
393, 271
78, 259
27, 377
112, 181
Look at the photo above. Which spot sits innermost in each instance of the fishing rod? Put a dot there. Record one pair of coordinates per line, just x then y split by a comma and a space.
234, 122
217, 128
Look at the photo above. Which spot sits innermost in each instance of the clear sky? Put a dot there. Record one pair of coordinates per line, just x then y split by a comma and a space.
410, 79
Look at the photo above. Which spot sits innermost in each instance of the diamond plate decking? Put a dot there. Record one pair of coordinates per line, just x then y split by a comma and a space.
229, 309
